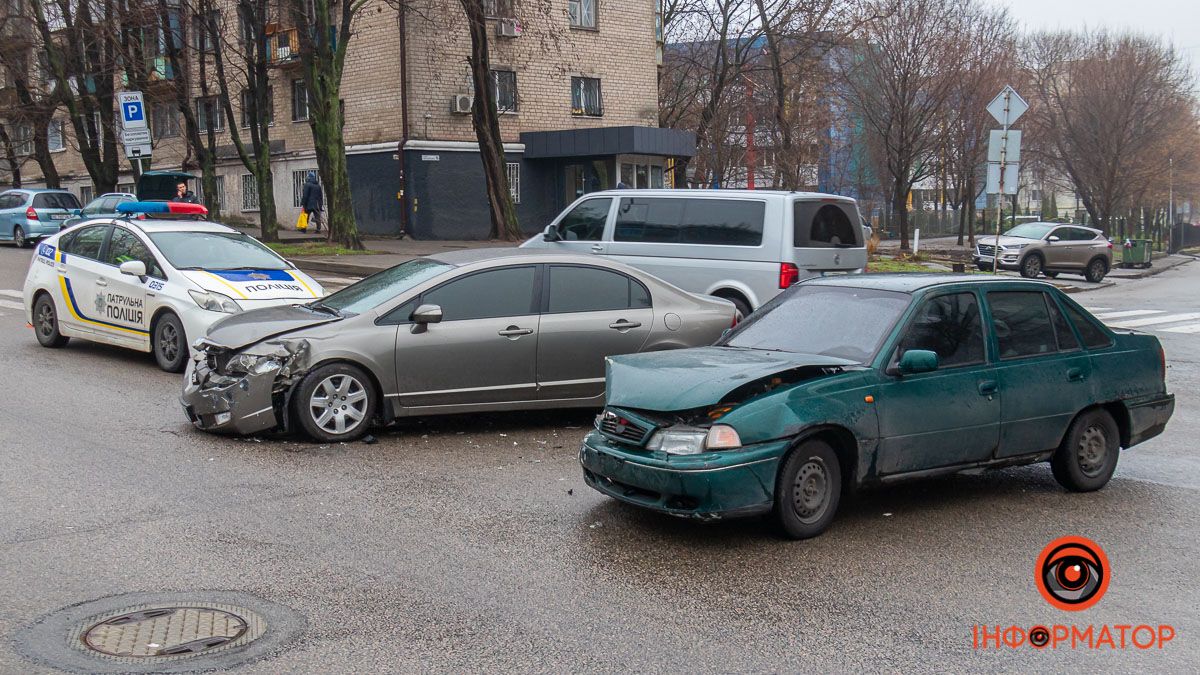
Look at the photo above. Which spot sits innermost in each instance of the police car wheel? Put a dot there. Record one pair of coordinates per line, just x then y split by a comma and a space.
335, 403
169, 343
45, 323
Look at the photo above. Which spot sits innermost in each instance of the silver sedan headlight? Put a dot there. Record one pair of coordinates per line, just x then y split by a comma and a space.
693, 441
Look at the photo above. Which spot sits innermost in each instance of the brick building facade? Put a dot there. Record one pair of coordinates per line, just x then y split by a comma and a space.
562, 67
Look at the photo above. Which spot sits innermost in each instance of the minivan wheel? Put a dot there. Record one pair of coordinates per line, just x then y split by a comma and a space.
1031, 266
45, 323
808, 490
335, 403
742, 306
1096, 271
1088, 455
19, 237
169, 343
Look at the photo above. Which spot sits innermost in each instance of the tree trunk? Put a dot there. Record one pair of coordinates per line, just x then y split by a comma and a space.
10, 157
900, 207
486, 121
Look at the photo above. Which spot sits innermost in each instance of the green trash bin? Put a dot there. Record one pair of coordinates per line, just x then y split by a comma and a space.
1136, 253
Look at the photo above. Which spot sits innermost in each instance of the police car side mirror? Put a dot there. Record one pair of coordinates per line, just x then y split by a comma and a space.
134, 268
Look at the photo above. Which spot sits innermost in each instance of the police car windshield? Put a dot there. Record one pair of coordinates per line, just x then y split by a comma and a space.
383, 286
216, 251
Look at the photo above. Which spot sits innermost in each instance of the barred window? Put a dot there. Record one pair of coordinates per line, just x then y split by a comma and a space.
249, 192
298, 178
513, 170
505, 83
220, 189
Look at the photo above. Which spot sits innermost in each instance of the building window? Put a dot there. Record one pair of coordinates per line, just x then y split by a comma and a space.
582, 13
298, 178
208, 112
204, 30
85, 194
246, 100
164, 121
299, 101
498, 9
585, 96
22, 139
127, 188
505, 83
55, 136
513, 171
249, 192
220, 185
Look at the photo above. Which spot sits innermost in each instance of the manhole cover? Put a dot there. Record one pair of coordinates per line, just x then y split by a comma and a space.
171, 631
160, 632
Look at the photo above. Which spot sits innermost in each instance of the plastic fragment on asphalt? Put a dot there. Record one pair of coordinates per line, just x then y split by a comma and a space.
369, 439
887, 515
596, 524
570, 491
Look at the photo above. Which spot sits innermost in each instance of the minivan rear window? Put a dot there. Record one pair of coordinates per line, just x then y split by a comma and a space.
55, 200
684, 220
825, 225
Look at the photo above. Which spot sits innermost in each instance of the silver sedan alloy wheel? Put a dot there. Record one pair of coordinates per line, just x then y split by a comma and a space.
338, 404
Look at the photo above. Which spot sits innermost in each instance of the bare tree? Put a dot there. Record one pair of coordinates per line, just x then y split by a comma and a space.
1102, 104
900, 82
27, 106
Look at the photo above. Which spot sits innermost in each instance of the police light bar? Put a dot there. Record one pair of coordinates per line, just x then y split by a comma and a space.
158, 208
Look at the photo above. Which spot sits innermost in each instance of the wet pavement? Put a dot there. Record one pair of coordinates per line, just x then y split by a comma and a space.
471, 543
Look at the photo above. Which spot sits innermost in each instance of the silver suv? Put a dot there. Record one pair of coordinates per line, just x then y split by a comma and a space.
1050, 249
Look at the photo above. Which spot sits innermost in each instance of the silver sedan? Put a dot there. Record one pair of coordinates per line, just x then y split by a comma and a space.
468, 331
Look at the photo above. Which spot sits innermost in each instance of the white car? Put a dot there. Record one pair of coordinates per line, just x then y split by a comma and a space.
153, 284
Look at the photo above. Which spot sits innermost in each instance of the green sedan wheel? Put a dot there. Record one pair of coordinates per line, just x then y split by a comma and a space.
808, 490
1088, 455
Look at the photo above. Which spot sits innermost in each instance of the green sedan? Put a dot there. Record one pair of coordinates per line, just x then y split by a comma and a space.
844, 382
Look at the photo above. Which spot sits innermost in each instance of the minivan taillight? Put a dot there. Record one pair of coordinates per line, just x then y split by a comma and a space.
788, 274
31, 214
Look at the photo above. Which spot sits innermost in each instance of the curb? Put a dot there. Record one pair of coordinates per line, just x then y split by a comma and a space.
327, 267
1156, 270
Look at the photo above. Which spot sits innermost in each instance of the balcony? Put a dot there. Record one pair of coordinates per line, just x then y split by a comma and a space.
284, 47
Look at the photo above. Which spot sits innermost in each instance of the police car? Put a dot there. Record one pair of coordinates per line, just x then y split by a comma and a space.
153, 279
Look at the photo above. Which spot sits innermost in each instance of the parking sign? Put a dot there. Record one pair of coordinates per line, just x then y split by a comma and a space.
133, 110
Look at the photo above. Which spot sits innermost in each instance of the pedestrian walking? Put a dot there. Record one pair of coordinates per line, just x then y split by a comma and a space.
312, 200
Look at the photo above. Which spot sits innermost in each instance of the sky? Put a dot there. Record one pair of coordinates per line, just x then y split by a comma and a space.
1176, 20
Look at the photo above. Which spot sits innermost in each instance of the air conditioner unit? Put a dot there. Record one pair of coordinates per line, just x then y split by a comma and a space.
461, 104
508, 28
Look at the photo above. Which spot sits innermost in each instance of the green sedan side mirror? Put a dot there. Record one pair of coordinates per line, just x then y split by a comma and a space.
917, 361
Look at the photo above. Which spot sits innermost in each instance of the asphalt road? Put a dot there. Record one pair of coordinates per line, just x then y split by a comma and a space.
471, 544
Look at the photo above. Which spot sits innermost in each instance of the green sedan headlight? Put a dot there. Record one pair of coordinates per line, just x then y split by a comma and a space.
693, 441
215, 302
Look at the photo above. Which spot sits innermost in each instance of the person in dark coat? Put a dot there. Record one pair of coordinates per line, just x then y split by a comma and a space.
183, 194
312, 200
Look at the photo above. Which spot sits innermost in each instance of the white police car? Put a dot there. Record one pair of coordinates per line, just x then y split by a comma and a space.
151, 282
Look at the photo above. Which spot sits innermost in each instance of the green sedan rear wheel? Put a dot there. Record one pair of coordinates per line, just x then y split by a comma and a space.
808, 490
1088, 455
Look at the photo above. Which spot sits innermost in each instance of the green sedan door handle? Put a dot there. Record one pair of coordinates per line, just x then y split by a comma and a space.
1076, 375
988, 388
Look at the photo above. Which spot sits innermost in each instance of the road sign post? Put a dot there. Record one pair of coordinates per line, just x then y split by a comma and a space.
1007, 107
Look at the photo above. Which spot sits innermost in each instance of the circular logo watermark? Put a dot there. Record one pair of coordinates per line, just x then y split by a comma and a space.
1072, 573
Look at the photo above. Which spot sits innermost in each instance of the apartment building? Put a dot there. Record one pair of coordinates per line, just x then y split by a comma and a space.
576, 83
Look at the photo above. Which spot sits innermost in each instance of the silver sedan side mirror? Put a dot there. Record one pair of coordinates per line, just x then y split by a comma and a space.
427, 314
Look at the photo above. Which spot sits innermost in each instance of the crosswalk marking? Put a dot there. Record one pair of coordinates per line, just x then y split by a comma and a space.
1150, 321
11, 305
1190, 328
1095, 310
1105, 316
12, 294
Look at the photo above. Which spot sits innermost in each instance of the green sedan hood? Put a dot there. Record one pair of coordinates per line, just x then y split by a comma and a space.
690, 378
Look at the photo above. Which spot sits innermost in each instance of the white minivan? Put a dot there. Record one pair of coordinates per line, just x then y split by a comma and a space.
742, 245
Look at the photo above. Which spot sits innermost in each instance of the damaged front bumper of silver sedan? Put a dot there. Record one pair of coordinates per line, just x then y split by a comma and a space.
246, 392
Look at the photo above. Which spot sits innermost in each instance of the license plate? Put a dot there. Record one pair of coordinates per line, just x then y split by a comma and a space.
984, 258
59, 216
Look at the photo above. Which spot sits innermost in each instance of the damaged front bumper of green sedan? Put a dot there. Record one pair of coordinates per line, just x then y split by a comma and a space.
707, 486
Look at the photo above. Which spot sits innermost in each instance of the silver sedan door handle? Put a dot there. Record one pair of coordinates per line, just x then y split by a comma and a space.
625, 325
597, 248
514, 332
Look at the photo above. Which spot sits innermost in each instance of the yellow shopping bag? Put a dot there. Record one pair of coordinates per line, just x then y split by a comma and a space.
302, 222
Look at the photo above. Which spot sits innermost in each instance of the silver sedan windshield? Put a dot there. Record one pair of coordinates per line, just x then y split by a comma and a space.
383, 286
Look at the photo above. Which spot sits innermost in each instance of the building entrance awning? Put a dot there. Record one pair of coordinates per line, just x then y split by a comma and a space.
608, 141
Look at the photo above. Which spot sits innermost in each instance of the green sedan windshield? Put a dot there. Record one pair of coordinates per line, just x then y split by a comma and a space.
383, 286
847, 323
